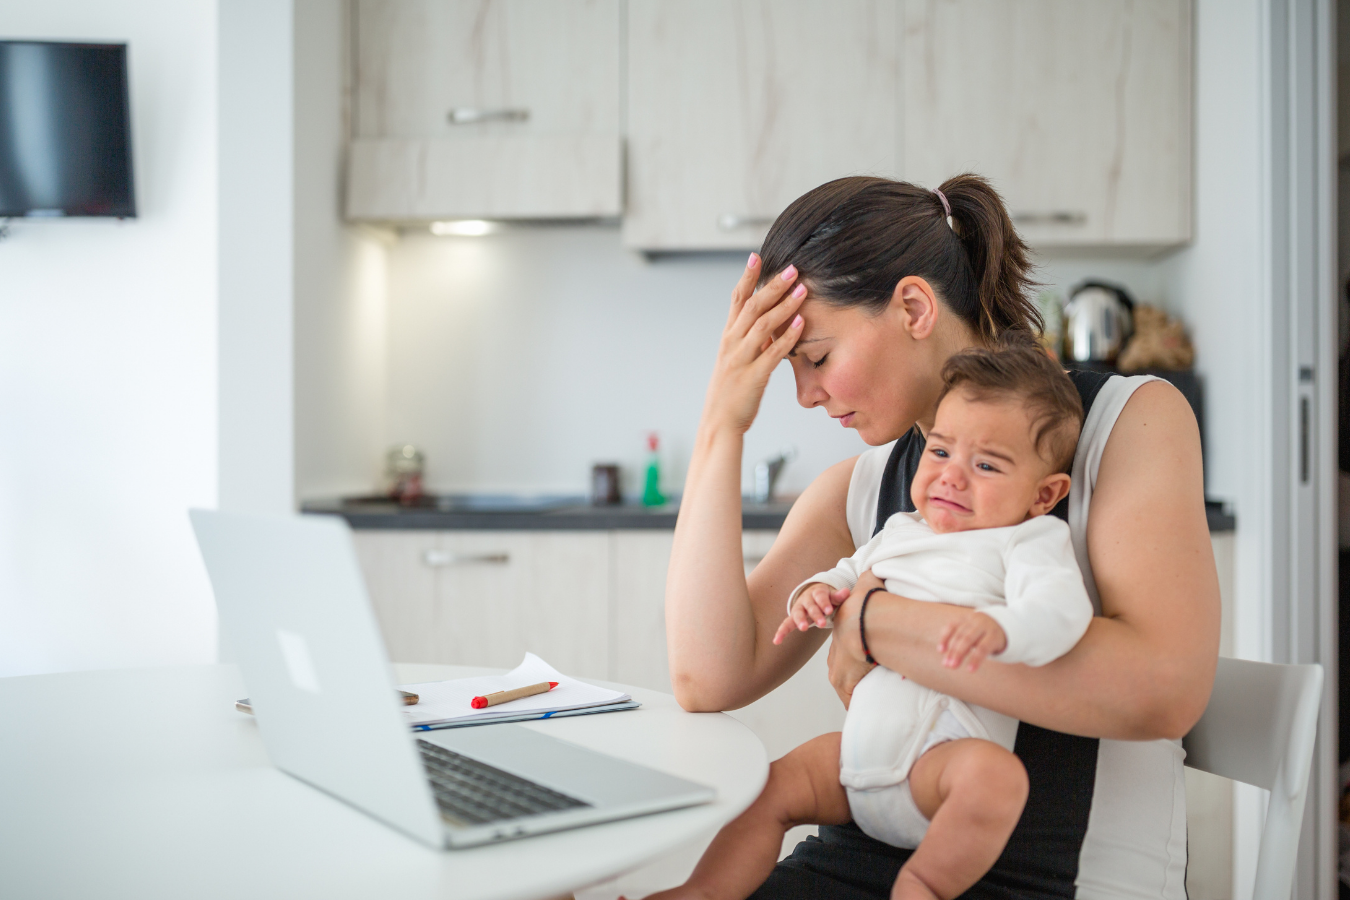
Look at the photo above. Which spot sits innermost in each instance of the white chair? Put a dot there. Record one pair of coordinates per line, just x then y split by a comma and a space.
1259, 728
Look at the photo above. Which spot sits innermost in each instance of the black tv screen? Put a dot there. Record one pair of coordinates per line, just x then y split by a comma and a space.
65, 130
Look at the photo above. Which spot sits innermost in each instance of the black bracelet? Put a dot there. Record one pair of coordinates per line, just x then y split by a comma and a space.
862, 627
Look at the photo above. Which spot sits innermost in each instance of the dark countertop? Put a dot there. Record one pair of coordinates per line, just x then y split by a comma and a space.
572, 516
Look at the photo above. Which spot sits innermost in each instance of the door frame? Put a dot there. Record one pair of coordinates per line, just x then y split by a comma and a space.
1301, 244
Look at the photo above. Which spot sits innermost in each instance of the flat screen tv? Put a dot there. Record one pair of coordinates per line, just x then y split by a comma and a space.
65, 130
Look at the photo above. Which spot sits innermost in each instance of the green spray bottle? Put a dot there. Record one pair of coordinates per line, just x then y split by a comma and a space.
651, 489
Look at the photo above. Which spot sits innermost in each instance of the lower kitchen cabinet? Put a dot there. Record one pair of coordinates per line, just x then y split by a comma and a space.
485, 597
402, 590
638, 651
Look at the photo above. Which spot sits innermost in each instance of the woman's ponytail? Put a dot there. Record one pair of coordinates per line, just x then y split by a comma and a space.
853, 239
998, 257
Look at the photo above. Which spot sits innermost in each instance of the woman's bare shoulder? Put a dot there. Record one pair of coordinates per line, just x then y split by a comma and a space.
1148, 505
1156, 427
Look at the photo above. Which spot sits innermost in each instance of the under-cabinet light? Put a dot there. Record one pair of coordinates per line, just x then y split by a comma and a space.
463, 228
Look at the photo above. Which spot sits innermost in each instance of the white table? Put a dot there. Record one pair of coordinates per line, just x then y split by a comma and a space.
147, 783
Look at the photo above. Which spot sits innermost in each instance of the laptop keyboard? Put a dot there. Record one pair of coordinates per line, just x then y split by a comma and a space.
476, 794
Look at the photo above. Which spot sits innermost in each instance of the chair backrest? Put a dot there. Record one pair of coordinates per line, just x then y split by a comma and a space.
1259, 728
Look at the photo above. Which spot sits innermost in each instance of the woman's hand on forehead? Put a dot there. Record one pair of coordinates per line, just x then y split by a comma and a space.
762, 327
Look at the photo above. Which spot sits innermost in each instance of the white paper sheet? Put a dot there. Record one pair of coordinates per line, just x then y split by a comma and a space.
449, 701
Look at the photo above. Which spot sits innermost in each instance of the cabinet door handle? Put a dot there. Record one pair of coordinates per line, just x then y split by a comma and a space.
468, 115
1050, 217
733, 221
439, 559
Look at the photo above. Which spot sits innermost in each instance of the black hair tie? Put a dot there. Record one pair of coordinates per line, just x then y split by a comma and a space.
862, 626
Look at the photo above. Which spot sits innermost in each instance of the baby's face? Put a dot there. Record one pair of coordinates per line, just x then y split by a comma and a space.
980, 468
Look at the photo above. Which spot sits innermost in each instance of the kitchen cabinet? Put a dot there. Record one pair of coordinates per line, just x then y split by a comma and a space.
641, 559
486, 597
737, 107
1078, 112
495, 109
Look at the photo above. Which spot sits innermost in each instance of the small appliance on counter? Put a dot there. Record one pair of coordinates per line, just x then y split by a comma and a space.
403, 467
605, 485
1159, 342
767, 472
1098, 320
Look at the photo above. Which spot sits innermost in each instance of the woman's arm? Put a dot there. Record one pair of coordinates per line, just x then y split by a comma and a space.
1145, 668
719, 627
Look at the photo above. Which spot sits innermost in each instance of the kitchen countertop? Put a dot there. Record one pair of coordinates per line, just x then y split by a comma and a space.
575, 516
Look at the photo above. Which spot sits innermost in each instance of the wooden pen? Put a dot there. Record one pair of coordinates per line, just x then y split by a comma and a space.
514, 694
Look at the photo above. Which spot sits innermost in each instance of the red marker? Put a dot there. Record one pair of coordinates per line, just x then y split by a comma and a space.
542, 687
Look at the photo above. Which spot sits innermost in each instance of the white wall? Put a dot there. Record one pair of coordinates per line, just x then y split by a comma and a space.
519, 359
257, 255
1216, 283
340, 279
107, 373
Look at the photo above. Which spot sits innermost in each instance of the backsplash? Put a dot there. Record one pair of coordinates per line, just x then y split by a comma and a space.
518, 359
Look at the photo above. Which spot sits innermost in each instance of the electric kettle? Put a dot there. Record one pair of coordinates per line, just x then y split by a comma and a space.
1098, 320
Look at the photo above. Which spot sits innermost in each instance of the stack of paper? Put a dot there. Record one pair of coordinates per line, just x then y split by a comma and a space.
448, 704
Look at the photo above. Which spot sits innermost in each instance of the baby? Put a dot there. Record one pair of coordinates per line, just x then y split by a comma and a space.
913, 767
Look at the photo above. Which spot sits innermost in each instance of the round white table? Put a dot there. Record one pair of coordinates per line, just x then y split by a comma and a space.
147, 783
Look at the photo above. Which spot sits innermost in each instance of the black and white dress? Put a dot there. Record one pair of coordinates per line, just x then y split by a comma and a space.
1104, 818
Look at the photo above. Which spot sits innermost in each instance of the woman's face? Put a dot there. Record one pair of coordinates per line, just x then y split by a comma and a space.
867, 371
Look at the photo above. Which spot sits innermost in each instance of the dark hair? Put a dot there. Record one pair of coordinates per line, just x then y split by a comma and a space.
853, 239
1019, 368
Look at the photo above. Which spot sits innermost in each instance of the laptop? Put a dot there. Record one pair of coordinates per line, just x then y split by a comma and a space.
295, 615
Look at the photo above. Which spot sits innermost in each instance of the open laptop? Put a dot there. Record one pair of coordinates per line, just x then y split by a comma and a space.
294, 612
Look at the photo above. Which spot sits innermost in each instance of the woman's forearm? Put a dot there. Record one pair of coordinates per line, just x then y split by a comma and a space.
1119, 681
710, 625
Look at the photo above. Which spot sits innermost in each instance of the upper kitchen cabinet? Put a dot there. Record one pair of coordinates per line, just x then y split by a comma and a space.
492, 108
737, 107
1079, 112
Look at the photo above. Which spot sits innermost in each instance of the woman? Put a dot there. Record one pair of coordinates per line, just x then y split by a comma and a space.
867, 286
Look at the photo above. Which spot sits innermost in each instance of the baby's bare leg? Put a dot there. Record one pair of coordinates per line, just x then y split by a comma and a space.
972, 791
803, 788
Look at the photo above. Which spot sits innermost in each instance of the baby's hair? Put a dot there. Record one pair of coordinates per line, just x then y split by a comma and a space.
1018, 368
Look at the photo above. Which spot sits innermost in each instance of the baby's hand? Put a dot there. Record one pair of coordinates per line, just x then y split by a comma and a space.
971, 640
813, 606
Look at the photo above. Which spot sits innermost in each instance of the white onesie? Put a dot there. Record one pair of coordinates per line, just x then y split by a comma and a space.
1025, 577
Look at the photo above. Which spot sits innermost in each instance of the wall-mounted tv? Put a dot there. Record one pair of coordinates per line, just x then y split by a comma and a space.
65, 130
